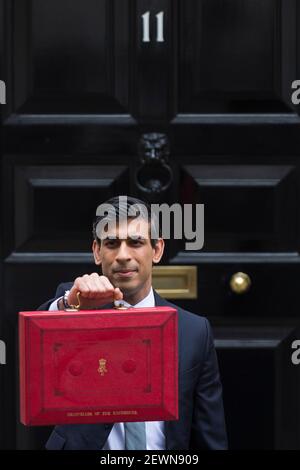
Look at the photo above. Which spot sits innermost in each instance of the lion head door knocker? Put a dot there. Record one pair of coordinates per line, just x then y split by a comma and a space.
154, 176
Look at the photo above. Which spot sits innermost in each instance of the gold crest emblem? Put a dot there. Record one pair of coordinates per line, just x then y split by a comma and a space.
102, 366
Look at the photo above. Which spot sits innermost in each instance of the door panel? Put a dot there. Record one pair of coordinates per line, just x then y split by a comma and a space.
41, 190
245, 206
71, 57
254, 362
231, 56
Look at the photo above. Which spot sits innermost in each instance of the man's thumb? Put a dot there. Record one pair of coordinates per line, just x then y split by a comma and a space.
118, 295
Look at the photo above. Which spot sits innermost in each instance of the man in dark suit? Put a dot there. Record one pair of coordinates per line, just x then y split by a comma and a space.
126, 261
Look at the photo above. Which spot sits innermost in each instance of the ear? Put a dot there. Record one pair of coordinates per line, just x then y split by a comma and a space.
96, 253
158, 250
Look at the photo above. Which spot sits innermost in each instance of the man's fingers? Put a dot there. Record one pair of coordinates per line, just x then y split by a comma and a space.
81, 286
92, 286
105, 282
98, 286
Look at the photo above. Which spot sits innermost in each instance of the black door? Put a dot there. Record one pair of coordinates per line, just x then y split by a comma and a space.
95, 89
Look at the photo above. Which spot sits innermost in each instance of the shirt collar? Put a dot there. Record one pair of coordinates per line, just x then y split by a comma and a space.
147, 301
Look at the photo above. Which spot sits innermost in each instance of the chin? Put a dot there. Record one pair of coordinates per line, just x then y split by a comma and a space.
128, 289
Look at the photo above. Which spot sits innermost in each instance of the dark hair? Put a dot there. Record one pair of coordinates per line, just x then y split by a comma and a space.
117, 204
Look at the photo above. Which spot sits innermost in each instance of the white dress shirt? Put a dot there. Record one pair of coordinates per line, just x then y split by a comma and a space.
155, 430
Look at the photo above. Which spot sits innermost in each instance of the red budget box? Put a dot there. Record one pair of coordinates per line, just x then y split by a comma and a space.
98, 366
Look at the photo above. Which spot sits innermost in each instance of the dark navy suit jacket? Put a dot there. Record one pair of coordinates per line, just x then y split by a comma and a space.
201, 423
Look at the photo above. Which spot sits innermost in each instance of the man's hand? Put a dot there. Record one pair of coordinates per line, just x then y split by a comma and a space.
94, 291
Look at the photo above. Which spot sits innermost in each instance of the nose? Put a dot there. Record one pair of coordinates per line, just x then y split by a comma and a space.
123, 252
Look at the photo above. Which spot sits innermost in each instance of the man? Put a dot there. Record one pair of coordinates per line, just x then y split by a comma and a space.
126, 254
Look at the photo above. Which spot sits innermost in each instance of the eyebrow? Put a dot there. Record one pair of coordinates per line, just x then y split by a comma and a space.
137, 237
131, 237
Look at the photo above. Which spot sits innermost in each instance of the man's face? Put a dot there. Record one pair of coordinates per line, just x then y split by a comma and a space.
126, 256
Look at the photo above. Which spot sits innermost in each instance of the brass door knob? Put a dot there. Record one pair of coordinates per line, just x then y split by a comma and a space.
240, 283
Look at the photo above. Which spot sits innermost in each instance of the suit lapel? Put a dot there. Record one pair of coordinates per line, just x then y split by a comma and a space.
94, 436
160, 302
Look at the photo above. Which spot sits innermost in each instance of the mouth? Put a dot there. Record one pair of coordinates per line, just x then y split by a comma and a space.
125, 272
